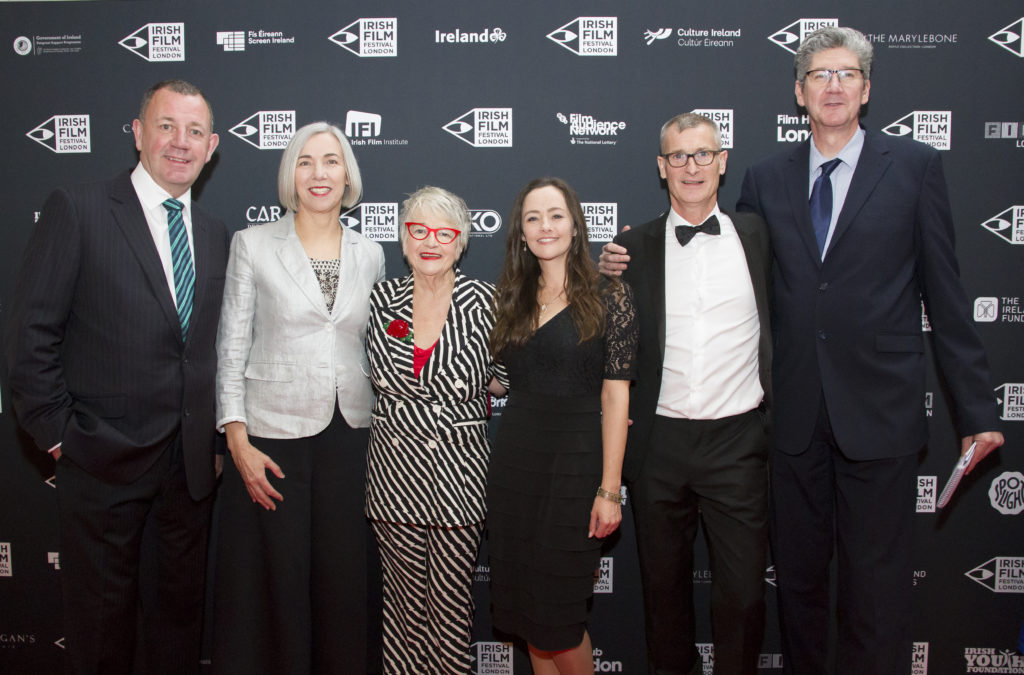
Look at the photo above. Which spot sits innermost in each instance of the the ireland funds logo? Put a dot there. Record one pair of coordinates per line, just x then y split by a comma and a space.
1009, 225
933, 127
1006, 494
157, 42
63, 134
1011, 401
369, 38
483, 127
790, 37
376, 221
1011, 37
267, 129
589, 36
919, 659
491, 658
1002, 574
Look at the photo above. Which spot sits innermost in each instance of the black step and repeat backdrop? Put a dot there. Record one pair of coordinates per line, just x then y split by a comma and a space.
480, 97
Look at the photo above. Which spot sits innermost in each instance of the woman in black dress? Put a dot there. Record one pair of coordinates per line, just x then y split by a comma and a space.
568, 340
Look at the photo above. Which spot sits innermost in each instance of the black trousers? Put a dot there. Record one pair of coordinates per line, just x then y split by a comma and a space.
715, 470
101, 547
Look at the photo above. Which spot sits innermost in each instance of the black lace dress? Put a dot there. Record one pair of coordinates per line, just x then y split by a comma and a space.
545, 469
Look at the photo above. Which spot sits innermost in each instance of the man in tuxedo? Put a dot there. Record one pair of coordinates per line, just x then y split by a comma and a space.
110, 348
862, 232
698, 445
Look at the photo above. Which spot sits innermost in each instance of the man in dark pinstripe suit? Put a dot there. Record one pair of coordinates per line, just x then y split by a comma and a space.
110, 347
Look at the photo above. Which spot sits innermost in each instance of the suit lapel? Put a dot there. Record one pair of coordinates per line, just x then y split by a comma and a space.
871, 165
201, 254
754, 250
399, 353
450, 340
295, 262
350, 263
799, 201
655, 271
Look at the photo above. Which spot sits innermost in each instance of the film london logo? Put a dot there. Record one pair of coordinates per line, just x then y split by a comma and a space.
706, 651
1011, 37
934, 127
791, 128
157, 42
919, 659
377, 221
1008, 131
364, 128
483, 127
588, 130
63, 134
6, 565
926, 494
1002, 574
790, 37
369, 38
1012, 401
1006, 494
1009, 224
267, 129
484, 222
589, 36
988, 660
491, 658
723, 118
604, 665
604, 576
602, 220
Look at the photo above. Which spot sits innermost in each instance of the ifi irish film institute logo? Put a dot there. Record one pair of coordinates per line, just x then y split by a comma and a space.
157, 42
589, 36
1011, 37
934, 127
63, 134
1009, 224
483, 127
267, 129
790, 37
369, 38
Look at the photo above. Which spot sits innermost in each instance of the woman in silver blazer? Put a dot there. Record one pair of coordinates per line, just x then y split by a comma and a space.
430, 366
294, 398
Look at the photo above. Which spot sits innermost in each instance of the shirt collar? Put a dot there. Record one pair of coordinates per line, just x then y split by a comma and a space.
152, 195
848, 155
675, 219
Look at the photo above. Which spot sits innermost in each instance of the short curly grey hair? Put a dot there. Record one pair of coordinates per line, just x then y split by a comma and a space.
445, 204
833, 37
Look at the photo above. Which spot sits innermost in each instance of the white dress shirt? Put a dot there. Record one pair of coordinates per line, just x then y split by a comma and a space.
152, 197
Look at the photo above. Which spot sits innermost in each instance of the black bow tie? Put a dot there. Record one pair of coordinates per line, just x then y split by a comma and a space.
684, 233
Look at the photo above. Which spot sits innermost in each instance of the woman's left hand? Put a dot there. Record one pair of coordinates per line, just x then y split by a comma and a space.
605, 517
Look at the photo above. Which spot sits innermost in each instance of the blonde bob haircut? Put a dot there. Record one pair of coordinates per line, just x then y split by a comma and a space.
286, 193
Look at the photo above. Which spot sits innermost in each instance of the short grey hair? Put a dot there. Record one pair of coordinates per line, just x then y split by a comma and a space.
690, 120
286, 193
437, 200
833, 37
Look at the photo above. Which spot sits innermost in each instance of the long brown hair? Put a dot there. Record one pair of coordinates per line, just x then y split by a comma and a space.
516, 310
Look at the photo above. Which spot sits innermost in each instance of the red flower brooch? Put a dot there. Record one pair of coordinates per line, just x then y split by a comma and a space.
398, 328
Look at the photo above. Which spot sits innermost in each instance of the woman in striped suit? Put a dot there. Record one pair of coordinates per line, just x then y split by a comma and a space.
430, 367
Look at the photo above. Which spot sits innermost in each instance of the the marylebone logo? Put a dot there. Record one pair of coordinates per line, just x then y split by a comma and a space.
602, 220
157, 42
236, 40
364, 128
934, 127
604, 577
1006, 494
926, 494
723, 118
377, 221
485, 222
790, 37
6, 564
1011, 401
267, 129
1009, 224
588, 130
913, 40
1002, 574
990, 660
483, 127
589, 36
1011, 37
63, 134
1005, 131
491, 658
369, 37
919, 659
461, 37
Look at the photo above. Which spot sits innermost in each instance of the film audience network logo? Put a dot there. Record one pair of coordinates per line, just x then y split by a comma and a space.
589, 36
1006, 494
378, 221
157, 42
63, 134
1002, 574
1011, 400
588, 130
1008, 225
1011, 37
722, 117
934, 127
990, 660
483, 127
602, 220
791, 37
369, 38
491, 658
267, 129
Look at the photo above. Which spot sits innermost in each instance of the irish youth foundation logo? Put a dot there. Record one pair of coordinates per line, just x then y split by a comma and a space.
369, 37
157, 42
790, 37
267, 129
1011, 37
934, 127
589, 36
63, 134
1009, 224
483, 127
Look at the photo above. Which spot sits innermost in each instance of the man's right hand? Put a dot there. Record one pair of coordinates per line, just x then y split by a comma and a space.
613, 259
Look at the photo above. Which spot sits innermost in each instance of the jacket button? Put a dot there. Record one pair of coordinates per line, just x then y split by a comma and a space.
823, 286
821, 335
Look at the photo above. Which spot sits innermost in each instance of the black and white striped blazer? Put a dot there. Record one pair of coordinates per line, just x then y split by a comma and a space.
427, 463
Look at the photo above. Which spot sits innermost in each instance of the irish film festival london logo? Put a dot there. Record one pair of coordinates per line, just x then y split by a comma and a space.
919, 659
1011, 401
63, 134
1002, 574
790, 37
157, 42
602, 220
934, 127
589, 36
267, 129
723, 118
1006, 494
491, 658
483, 127
1009, 224
1011, 37
6, 565
926, 494
369, 38
376, 221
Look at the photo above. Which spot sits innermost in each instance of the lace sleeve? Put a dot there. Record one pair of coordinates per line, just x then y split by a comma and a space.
621, 333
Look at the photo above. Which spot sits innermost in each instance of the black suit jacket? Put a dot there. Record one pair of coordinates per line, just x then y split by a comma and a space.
849, 327
646, 274
94, 346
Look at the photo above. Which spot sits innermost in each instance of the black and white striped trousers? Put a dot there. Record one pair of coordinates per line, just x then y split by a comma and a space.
428, 600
